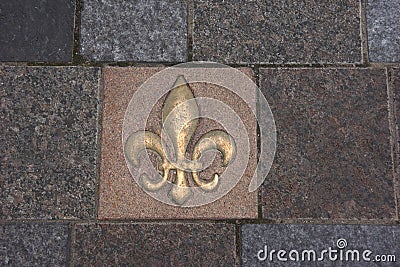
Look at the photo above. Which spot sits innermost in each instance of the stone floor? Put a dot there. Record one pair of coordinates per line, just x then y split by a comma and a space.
330, 71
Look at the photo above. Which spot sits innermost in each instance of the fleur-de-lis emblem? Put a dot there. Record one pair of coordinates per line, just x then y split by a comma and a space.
180, 117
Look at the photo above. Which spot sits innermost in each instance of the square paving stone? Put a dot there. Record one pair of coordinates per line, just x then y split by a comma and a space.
320, 245
277, 31
37, 30
48, 142
120, 195
154, 245
133, 30
333, 157
33, 244
383, 25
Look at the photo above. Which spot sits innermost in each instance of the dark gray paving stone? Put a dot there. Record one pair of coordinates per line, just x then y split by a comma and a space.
381, 241
33, 244
134, 30
383, 25
277, 31
48, 142
333, 156
37, 30
154, 245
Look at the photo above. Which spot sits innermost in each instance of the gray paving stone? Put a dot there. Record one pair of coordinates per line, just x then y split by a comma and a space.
383, 25
134, 30
37, 30
277, 31
48, 142
154, 245
342, 244
33, 244
333, 157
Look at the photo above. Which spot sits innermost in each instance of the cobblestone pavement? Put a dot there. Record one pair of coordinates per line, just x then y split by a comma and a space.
330, 71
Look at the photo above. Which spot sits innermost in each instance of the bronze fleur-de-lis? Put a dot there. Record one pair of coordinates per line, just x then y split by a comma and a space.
180, 119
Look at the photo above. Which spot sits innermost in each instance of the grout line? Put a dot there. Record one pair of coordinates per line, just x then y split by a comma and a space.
77, 59
260, 201
125, 221
69, 246
84, 63
364, 32
393, 134
138, 64
394, 137
75, 41
397, 179
190, 23
388, 221
256, 72
71, 242
100, 109
238, 243
13, 64
325, 221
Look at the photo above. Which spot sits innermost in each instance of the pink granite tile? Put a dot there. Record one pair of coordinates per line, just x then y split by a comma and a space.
120, 195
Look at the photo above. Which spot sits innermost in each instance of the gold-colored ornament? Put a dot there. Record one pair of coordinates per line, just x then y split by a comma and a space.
180, 117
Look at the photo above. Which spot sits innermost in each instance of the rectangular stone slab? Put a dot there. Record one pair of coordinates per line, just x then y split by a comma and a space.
333, 157
120, 195
383, 25
154, 245
277, 31
342, 244
134, 30
33, 244
37, 30
48, 142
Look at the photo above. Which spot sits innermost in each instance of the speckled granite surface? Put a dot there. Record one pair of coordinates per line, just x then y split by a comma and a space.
48, 137
154, 245
277, 31
68, 68
38, 30
133, 30
333, 157
344, 245
34, 244
383, 24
